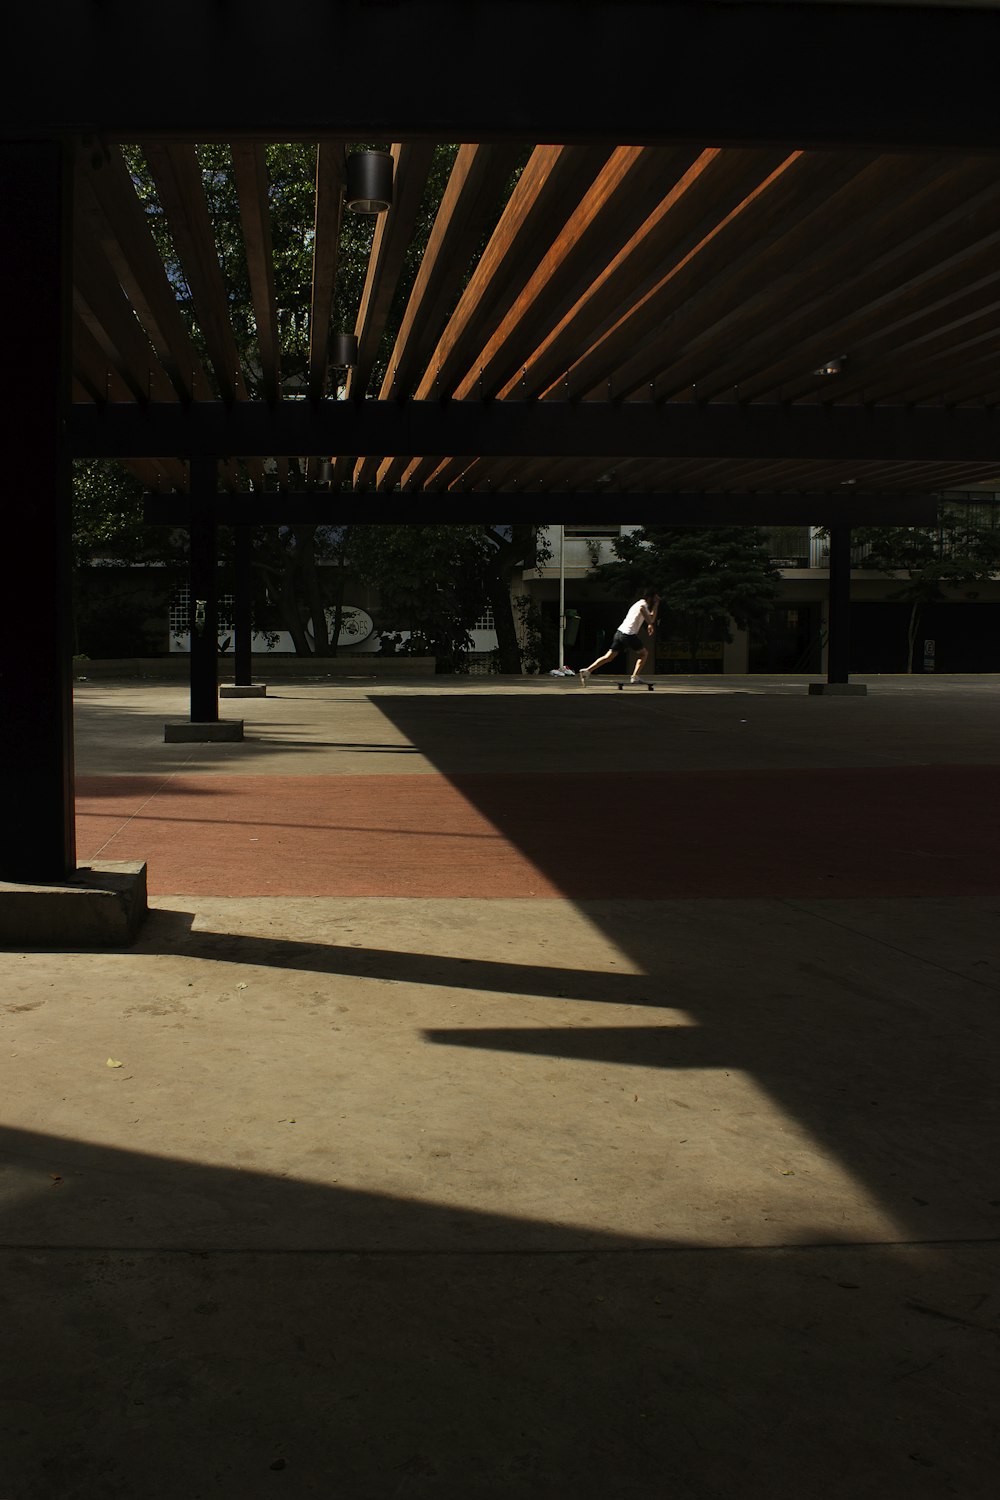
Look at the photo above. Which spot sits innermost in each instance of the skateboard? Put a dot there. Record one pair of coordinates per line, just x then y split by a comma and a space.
649, 686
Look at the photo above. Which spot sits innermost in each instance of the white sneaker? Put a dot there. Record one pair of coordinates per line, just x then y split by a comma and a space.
584, 676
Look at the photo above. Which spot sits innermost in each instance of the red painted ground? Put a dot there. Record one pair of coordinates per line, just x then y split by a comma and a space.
918, 831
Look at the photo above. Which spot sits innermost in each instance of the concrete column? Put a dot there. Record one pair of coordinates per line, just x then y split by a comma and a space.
37, 807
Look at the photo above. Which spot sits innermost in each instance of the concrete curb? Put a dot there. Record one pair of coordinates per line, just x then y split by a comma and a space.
103, 908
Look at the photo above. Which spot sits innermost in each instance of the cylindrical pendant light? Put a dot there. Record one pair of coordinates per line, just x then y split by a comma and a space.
369, 182
343, 350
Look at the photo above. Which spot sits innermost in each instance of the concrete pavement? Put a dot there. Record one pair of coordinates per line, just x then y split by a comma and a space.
579, 1094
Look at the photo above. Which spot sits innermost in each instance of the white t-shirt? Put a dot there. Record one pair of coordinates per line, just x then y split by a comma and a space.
635, 617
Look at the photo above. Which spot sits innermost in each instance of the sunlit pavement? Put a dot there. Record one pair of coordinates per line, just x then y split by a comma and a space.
516, 1090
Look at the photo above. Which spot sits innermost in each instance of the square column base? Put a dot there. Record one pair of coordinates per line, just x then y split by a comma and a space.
184, 730
839, 689
102, 908
244, 690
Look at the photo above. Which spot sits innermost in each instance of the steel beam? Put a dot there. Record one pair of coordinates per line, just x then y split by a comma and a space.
319, 508
545, 429
817, 75
242, 622
838, 651
204, 605
37, 836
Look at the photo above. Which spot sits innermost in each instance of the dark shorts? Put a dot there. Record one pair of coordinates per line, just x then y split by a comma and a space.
624, 642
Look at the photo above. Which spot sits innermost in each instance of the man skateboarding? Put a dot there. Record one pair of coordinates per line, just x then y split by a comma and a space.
639, 622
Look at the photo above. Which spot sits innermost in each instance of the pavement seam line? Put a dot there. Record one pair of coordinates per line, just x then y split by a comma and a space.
892, 947
593, 1252
133, 815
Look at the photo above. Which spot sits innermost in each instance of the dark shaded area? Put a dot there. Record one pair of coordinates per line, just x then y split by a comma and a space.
966, 637
237, 1373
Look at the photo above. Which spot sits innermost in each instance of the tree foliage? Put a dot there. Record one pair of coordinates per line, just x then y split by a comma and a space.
434, 581
706, 577
930, 561
107, 517
302, 570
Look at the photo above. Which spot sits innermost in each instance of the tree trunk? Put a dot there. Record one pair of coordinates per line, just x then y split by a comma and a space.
305, 557
508, 646
911, 633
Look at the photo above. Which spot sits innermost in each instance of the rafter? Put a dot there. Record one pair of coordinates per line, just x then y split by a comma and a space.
477, 179
326, 253
181, 192
118, 222
250, 166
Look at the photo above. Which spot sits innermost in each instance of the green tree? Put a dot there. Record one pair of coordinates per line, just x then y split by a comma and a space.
707, 577
931, 560
434, 581
429, 583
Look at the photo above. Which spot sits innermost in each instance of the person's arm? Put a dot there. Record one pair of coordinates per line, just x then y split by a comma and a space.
651, 614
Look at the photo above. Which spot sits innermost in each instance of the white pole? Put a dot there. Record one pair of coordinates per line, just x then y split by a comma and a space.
562, 593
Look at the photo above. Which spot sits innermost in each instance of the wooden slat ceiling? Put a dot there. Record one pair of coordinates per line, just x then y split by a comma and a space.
653, 274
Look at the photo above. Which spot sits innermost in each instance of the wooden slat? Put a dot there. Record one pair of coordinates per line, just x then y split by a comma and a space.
93, 369
118, 222
547, 191
250, 166
181, 192
477, 179
393, 232
916, 253
867, 235
549, 188
636, 185
326, 251
102, 306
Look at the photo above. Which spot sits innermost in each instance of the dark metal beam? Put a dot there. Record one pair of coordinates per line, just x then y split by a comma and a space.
838, 651
816, 75
204, 609
316, 508
37, 835
538, 429
242, 613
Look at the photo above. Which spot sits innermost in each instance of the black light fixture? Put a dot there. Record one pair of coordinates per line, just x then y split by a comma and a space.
832, 367
369, 182
343, 350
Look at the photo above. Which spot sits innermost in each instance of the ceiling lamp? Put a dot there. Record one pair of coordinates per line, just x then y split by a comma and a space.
832, 367
343, 350
369, 182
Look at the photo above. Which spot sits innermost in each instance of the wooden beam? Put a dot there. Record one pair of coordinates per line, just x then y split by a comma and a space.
548, 189
326, 253
181, 192
102, 306
393, 233
250, 166
107, 196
